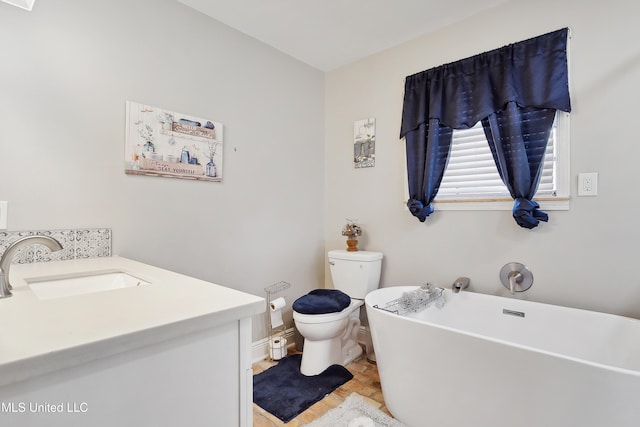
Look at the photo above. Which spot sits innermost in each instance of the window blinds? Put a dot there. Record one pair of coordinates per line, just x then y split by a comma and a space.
471, 172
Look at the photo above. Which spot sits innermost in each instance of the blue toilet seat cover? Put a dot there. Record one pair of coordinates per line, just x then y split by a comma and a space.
322, 301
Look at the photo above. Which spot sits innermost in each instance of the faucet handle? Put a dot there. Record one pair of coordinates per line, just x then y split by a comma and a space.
516, 277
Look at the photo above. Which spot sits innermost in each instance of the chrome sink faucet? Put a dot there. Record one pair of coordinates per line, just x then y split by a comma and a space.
10, 252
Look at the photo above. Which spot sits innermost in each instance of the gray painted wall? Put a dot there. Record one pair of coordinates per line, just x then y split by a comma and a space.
66, 70
585, 257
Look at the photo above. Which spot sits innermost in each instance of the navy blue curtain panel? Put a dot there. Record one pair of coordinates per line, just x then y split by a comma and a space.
517, 137
498, 87
430, 145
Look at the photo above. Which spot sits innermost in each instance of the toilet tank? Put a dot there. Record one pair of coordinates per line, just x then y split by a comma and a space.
355, 273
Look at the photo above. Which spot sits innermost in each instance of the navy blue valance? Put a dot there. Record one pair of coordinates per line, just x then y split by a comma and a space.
514, 90
531, 73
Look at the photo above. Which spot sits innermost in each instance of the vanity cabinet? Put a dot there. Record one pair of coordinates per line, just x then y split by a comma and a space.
174, 352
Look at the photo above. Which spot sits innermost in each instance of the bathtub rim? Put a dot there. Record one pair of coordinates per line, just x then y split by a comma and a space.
449, 294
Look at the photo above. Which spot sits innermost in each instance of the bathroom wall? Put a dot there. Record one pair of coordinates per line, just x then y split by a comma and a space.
585, 257
67, 69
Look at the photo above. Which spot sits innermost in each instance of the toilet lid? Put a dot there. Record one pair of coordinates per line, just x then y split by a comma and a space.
322, 301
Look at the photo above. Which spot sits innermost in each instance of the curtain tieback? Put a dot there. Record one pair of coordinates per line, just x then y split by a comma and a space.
526, 213
419, 210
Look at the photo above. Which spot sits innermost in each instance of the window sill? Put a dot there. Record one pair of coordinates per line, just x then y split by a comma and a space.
546, 204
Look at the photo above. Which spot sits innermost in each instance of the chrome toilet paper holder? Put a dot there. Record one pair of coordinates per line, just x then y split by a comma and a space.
277, 333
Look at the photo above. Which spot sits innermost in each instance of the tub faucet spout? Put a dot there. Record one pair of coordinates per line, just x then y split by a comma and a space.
10, 252
460, 284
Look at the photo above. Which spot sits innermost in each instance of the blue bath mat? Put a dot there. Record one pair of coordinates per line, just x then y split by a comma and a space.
284, 392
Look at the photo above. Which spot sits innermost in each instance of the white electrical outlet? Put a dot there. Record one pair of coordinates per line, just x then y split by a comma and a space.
3, 215
588, 184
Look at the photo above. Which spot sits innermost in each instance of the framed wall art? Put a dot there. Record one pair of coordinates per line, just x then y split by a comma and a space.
364, 143
165, 143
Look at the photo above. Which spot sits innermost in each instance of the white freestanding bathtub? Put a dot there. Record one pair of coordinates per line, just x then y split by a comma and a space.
488, 361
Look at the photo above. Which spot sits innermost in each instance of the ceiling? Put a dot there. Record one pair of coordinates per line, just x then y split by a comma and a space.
328, 34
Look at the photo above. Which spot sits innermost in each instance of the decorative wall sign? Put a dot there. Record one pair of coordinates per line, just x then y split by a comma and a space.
364, 143
169, 144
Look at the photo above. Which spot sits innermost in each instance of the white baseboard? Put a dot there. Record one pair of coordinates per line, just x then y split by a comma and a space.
260, 349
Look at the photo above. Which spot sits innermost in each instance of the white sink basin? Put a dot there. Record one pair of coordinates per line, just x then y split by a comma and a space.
66, 286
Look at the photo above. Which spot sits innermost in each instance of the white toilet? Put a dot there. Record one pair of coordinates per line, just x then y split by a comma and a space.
331, 338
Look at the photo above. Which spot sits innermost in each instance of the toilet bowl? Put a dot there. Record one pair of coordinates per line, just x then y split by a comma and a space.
325, 337
331, 337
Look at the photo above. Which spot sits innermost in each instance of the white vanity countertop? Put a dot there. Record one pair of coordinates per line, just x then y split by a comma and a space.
40, 336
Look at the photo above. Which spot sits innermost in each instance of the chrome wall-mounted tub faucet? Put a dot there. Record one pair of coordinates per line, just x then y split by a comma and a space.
516, 277
460, 284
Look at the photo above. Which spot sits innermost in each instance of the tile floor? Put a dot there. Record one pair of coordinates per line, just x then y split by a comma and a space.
365, 382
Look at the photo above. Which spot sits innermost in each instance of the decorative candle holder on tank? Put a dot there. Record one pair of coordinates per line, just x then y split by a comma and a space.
352, 230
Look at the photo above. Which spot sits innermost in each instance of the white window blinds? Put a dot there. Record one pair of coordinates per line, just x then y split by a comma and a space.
471, 173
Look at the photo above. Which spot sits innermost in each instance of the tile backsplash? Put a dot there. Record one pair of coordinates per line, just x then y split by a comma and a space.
82, 243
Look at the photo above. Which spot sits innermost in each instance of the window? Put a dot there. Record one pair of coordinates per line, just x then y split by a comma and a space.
525, 81
471, 180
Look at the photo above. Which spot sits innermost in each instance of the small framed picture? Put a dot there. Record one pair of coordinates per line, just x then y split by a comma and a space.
364, 143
